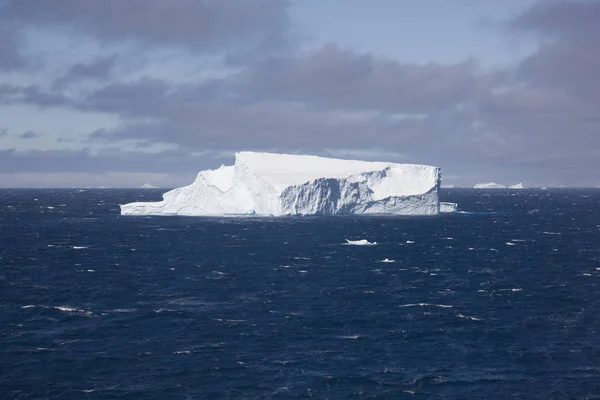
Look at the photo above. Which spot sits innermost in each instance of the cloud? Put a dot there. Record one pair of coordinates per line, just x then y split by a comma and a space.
533, 120
10, 56
337, 78
32, 94
206, 25
550, 115
30, 135
110, 160
98, 69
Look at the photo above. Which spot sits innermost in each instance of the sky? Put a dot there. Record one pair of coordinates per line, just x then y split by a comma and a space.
119, 93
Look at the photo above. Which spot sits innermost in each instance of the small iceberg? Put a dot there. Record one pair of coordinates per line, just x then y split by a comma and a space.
447, 207
362, 242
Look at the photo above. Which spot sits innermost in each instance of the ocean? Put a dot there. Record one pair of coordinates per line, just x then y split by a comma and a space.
499, 301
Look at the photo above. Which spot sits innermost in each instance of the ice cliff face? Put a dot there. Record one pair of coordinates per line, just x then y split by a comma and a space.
283, 184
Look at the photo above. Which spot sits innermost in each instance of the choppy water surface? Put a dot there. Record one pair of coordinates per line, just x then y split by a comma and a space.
500, 302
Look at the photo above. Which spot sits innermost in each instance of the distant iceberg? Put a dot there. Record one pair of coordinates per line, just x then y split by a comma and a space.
517, 186
148, 186
490, 185
283, 184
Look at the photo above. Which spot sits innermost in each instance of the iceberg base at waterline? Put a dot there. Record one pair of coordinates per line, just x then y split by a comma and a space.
269, 184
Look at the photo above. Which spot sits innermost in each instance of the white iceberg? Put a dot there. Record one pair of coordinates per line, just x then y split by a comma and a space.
517, 186
361, 242
446, 207
283, 184
490, 185
148, 186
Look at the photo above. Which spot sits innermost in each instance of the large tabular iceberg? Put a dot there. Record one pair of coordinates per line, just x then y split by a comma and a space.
284, 184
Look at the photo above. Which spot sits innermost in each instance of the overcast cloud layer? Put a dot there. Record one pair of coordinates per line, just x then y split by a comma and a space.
123, 92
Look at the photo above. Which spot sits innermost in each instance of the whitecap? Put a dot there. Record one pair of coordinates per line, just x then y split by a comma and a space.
409, 241
69, 309
468, 317
552, 233
361, 242
352, 337
426, 305
29, 306
182, 352
387, 260
79, 247
510, 244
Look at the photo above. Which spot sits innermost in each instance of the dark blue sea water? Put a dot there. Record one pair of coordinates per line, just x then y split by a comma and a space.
497, 303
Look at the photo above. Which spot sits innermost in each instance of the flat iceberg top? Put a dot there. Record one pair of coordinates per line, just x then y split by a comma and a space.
284, 170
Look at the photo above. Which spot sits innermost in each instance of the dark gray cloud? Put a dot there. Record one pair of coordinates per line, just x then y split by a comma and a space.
33, 95
207, 25
99, 69
551, 117
569, 60
30, 135
333, 77
573, 19
10, 55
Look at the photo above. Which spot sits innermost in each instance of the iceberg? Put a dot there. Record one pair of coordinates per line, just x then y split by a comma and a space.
446, 207
517, 186
273, 184
490, 185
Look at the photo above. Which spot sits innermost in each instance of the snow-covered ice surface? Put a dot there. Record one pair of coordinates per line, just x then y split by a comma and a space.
517, 186
285, 184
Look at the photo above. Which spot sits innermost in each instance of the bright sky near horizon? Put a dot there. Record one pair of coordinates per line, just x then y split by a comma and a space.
126, 92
